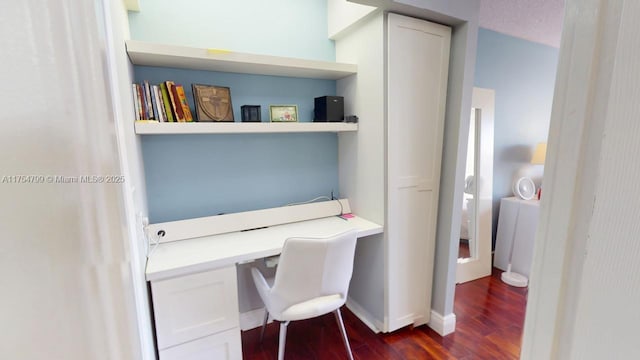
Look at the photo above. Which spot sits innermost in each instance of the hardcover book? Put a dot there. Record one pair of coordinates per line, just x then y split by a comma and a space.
183, 102
136, 104
143, 103
147, 92
166, 101
175, 101
159, 108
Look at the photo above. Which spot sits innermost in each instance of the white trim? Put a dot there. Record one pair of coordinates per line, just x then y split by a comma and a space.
252, 319
443, 325
374, 324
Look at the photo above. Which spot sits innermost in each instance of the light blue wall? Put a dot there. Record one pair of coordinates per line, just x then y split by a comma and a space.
200, 175
276, 27
522, 73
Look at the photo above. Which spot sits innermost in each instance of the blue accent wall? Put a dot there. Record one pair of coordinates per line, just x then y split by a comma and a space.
191, 176
201, 175
523, 74
291, 28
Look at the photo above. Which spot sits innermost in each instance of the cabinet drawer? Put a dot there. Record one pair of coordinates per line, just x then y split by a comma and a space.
193, 306
223, 346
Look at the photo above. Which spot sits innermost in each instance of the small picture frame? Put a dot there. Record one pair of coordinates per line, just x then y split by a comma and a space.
283, 113
213, 103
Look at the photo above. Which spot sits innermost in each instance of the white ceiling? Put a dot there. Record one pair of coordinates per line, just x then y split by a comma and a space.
534, 20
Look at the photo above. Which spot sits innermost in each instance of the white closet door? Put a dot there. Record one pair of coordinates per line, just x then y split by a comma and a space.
417, 60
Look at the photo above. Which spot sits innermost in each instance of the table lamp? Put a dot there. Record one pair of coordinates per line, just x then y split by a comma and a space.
539, 154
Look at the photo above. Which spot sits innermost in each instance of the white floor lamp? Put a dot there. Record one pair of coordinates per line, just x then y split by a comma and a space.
509, 277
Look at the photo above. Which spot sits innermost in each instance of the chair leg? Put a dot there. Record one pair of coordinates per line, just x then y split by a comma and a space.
283, 339
345, 339
264, 324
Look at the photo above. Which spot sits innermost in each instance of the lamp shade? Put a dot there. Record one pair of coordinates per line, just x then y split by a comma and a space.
539, 154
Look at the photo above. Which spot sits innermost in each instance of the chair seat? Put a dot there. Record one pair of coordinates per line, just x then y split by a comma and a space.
311, 308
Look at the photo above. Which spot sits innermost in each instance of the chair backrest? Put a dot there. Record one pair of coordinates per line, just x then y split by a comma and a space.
312, 267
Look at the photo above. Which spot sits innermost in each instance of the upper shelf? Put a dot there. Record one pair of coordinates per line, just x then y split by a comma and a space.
144, 53
241, 128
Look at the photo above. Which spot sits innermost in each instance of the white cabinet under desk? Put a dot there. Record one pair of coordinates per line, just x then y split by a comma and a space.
194, 284
196, 306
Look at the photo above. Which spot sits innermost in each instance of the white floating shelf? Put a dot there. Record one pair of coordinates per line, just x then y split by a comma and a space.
241, 128
150, 54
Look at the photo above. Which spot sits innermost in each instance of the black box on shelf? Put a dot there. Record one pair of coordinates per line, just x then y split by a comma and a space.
329, 109
250, 113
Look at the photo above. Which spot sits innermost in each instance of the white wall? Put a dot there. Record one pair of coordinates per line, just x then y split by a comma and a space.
585, 284
362, 158
64, 254
344, 15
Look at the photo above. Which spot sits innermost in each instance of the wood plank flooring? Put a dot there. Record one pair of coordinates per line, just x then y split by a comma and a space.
463, 249
490, 318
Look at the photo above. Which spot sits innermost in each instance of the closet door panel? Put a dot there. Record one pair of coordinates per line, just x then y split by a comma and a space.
417, 60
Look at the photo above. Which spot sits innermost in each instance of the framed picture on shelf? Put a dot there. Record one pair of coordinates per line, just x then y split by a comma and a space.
283, 113
213, 103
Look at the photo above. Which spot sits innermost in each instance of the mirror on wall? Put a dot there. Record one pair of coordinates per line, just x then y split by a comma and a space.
474, 255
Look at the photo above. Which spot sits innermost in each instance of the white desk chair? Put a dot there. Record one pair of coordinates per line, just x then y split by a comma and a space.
312, 279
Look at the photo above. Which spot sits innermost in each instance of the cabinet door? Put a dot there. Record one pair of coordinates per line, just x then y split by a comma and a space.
222, 346
193, 306
417, 60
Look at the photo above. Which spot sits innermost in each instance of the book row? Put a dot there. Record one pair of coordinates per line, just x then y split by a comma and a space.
165, 102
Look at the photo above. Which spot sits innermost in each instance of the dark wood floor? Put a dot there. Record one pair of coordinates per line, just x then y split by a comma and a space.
463, 249
490, 317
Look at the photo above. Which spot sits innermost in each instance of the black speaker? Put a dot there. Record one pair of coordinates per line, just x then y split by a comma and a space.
250, 113
329, 109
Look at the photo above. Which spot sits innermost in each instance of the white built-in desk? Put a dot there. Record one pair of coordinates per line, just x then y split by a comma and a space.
185, 257
193, 280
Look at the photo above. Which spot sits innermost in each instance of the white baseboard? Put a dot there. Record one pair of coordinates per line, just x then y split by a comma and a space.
443, 325
252, 319
364, 316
